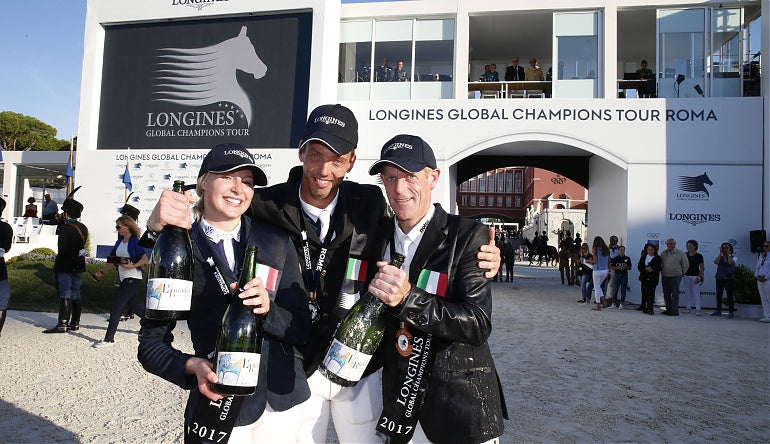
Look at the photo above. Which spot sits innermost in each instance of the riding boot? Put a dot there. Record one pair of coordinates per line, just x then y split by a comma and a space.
75, 321
2, 320
64, 315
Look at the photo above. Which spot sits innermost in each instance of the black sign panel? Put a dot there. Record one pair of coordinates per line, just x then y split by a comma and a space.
193, 84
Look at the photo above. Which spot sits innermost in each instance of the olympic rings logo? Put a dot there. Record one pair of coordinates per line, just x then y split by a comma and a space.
558, 180
653, 235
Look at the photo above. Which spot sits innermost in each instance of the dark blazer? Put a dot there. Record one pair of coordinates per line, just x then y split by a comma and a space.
646, 276
360, 210
69, 245
464, 401
286, 325
510, 73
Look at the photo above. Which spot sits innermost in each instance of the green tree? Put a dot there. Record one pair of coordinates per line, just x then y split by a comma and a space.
24, 133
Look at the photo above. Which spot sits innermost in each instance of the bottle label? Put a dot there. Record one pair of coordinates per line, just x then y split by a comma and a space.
169, 294
345, 362
238, 369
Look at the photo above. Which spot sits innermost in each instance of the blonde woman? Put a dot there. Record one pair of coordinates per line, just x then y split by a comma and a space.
601, 264
128, 258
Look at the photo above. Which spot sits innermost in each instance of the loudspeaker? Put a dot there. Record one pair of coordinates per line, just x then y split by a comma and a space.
756, 239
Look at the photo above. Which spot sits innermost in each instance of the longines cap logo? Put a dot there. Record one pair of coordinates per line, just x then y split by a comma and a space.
398, 145
197, 4
693, 187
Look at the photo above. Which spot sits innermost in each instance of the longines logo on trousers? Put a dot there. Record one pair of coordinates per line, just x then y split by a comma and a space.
694, 187
197, 4
695, 218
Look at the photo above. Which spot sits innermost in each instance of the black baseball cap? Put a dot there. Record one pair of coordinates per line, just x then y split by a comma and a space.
410, 153
226, 157
333, 125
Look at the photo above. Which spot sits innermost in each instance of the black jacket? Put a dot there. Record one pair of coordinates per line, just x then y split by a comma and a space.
646, 276
287, 325
70, 243
360, 210
464, 400
510, 73
6, 239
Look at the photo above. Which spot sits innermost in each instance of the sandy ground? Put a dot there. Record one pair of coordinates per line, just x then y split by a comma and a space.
569, 374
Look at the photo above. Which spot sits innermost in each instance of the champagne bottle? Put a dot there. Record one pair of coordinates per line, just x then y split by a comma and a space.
240, 340
356, 338
169, 282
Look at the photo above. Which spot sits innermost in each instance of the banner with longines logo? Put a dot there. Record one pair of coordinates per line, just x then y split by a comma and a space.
191, 84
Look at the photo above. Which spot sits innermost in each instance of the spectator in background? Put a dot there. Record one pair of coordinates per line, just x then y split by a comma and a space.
534, 72
762, 273
485, 77
619, 266
649, 274
585, 272
132, 257
69, 265
493, 76
643, 72
400, 74
6, 237
564, 264
693, 278
383, 73
673, 265
50, 210
514, 72
601, 264
509, 257
30, 210
607, 284
725, 277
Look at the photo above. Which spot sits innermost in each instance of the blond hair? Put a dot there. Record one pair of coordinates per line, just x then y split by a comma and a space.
130, 223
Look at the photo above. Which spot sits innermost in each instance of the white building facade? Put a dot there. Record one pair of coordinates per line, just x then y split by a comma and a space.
691, 163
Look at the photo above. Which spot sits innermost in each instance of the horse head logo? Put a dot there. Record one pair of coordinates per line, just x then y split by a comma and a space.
695, 184
204, 76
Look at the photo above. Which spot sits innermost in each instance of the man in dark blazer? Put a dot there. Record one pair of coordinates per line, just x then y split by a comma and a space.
439, 381
514, 72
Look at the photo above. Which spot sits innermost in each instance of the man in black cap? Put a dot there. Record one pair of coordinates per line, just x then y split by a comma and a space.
6, 238
69, 265
441, 307
334, 224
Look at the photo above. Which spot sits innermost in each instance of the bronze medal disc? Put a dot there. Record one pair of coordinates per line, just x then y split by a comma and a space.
404, 342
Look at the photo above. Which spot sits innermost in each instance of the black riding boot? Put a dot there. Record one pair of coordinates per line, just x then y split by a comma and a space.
75, 321
65, 308
2, 320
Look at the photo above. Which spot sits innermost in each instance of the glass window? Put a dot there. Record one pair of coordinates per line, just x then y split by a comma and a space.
473, 200
473, 184
681, 52
577, 43
508, 201
392, 50
464, 186
482, 200
355, 60
518, 202
517, 183
433, 59
465, 201
509, 181
482, 182
491, 181
499, 201
726, 61
500, 182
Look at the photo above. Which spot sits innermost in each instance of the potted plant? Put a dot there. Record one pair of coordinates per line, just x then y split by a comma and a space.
747, 300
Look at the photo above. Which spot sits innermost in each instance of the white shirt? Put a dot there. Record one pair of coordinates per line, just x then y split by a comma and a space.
325, 214
124, 273
763, 265
406, 243
216, 235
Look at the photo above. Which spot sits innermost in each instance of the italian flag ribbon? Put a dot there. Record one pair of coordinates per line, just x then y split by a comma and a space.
268, 275
356, 270
433, 282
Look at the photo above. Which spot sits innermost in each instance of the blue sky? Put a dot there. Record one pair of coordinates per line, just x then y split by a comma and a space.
42, 55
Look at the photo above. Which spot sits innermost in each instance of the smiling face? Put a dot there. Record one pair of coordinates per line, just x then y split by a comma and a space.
226, 197
323, 171
409, 194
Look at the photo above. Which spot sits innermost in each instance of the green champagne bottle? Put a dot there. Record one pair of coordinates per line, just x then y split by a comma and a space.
170, 279
356, 338
239, 345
